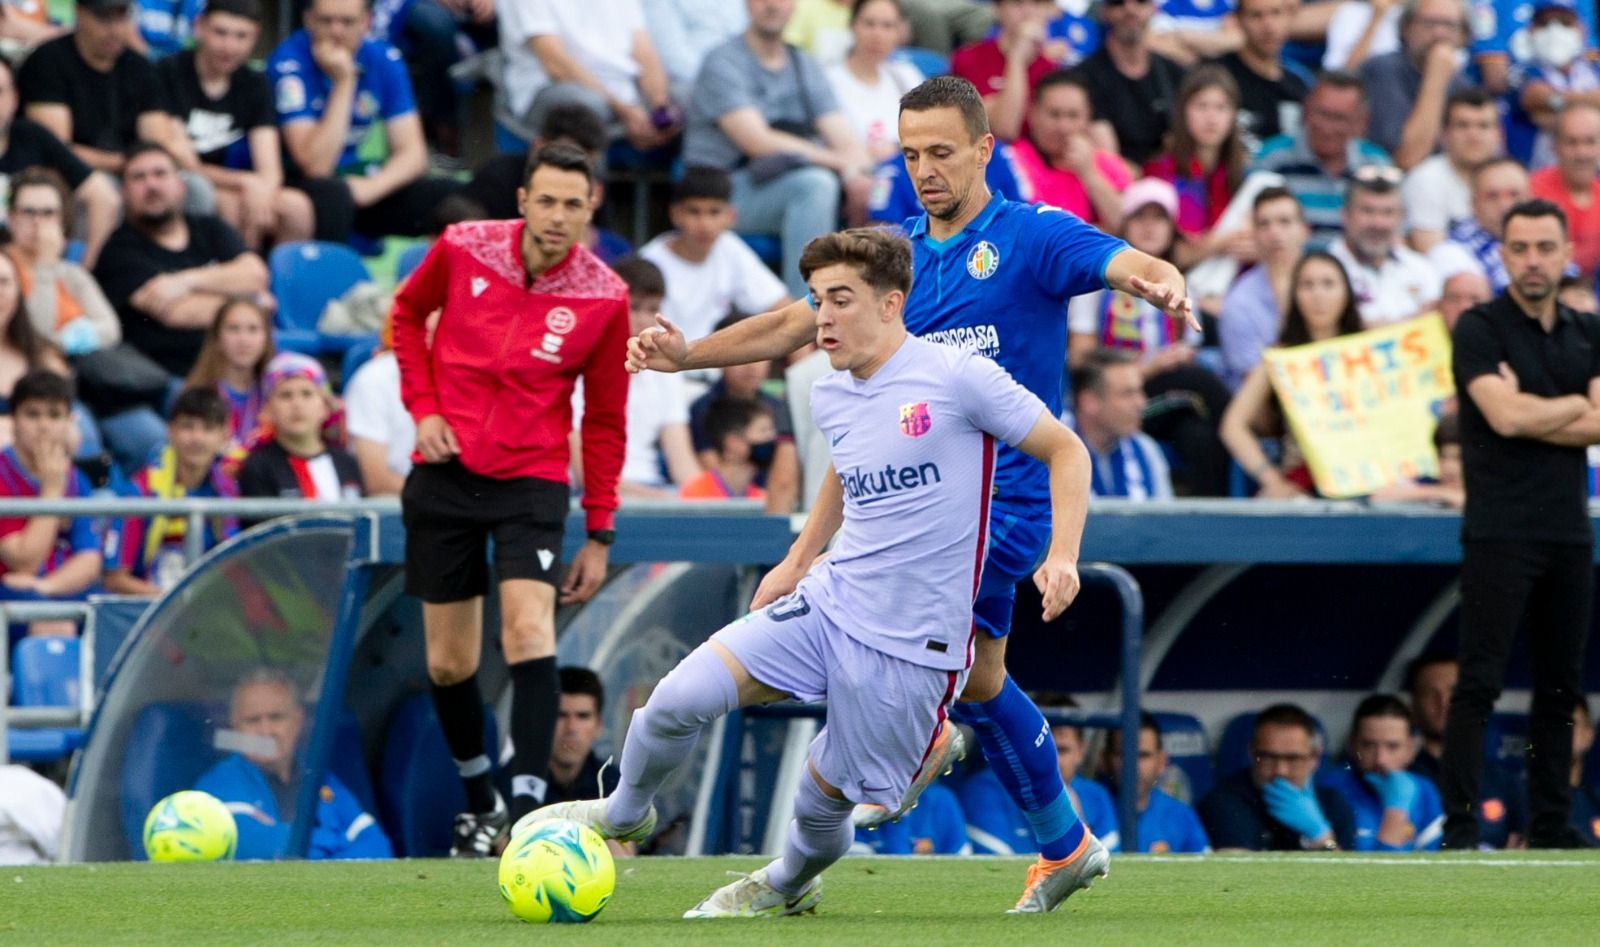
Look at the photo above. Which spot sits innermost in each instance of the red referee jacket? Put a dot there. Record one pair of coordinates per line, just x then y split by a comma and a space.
506, 355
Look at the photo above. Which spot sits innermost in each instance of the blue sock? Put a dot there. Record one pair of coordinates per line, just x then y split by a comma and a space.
1016, 742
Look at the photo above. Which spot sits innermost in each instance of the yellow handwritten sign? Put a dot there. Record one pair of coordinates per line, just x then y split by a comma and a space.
1362, 407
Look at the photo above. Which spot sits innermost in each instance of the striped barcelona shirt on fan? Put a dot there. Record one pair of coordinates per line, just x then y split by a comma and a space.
80, 534
914, 446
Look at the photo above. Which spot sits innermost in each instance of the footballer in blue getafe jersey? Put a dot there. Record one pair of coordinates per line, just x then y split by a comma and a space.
992, 276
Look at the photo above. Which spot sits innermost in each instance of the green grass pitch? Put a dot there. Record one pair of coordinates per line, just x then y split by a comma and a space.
1538, 898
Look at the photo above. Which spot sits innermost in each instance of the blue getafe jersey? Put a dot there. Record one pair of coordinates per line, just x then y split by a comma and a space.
1000, 288
1427, 812
1167, 825
342, 830
997, 826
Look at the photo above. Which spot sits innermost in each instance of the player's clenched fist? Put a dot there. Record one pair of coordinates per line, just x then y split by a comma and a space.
435, 441
1057, 580
661, 347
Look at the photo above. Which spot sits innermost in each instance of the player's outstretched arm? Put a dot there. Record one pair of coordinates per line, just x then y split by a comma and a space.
1155, 281
1052, 442
826, 516
765, 336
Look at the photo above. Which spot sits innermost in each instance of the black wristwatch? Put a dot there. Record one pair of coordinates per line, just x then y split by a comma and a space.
604, 537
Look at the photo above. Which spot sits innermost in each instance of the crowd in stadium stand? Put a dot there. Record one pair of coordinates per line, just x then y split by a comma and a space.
1318, 168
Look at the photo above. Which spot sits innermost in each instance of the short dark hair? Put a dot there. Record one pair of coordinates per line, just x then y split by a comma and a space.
1287, 715
561, 156
855, 8
1276, 193
1489, 164
881, 254
950, 92
42, 176
1447, 432
1427, 659
1470, 97
575, 124
1090, 374
247, 9
1339, 79
144, 147
41, 384
1062, 77
700, 182
1382, 705
643, 277
731, 416
1057, 701
204, 404
1534, 207
581, 680
1147, 722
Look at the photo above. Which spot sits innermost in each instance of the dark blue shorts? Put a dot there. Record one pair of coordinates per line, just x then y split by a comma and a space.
1018, 538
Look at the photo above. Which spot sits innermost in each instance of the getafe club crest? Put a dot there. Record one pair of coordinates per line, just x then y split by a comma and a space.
914, 419
983, 260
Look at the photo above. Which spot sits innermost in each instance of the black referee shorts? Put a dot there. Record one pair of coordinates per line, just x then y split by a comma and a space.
450, 513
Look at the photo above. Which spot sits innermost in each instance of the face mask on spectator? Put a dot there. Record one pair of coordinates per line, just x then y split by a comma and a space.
1556, 45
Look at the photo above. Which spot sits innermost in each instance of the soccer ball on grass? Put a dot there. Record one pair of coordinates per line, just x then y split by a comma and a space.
557, 871
190, 826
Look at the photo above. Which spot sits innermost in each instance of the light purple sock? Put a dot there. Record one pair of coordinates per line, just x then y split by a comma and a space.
819, 835
664, 731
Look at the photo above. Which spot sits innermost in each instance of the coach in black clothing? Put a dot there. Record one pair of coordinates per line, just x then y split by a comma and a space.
1528, 371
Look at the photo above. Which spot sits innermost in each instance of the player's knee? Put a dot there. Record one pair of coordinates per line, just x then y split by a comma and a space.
528, 637
446, 669
984, 684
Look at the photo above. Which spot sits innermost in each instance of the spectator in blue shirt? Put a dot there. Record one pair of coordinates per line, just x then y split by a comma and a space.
1396, 811
937, 826
1109, 402
1165, 824
1501, 36
259, 782
1274, 805
997, 826
1555, 75
338, 93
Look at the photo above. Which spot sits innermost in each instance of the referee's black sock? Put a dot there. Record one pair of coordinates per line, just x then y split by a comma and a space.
535, 702
460, 710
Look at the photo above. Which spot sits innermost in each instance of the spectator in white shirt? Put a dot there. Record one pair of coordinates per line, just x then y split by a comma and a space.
658, 457
1391, 281
685, 30
1438, 191
595, 53
1360, 30
708, 269
382, 432
867, 84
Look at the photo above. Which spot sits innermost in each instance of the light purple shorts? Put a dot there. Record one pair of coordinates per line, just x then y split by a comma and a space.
883, 712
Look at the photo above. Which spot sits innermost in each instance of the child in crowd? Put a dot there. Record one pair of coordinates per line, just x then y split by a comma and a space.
743, 438
145, 556
45, 557
293, 459
232, 360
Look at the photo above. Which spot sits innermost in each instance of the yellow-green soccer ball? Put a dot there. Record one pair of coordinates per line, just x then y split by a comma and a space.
557, 872
190, 826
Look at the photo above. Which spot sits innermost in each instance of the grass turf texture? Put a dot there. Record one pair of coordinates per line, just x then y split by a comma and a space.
1539, 898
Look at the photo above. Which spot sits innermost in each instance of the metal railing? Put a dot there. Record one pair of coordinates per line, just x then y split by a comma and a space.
31, 718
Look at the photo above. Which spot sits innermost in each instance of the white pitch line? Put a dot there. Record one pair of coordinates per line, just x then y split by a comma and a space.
1396, 860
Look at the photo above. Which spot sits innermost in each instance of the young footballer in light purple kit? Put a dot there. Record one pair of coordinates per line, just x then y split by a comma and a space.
882, 627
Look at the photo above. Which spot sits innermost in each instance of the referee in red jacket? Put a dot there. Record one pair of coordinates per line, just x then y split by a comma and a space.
524, 312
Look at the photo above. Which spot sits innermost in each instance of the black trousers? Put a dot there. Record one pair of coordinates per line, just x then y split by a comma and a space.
1504, 585
408, 211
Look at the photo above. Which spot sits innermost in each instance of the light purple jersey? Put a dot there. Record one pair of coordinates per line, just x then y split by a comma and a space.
914, 446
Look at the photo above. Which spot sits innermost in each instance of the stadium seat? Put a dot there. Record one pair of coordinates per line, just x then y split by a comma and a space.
767, 246
409, 258
1233, 750
1505, 742
929, 62
44, 673
419, 792
354, 357
1184, 739
306, 275
168, 747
